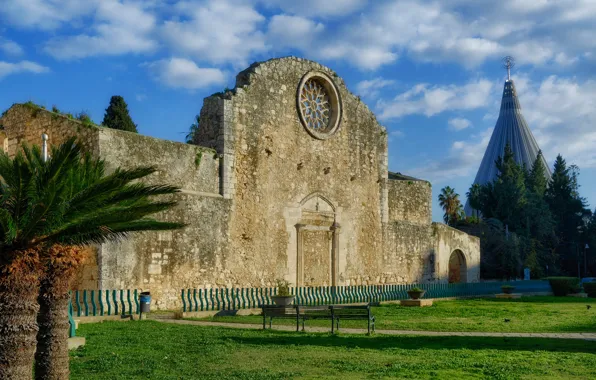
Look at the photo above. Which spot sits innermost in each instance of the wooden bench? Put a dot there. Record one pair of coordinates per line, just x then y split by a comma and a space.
277, 311
334, 313
342, 312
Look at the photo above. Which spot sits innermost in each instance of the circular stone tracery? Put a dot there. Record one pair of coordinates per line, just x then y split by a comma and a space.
319, 105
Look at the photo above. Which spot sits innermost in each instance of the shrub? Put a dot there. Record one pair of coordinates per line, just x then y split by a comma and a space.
590, 288
415, 289
283, 288
563, 286
507, 289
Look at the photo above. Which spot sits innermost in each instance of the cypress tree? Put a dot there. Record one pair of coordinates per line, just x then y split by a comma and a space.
509, 190
117, 116
537, 177
567, 210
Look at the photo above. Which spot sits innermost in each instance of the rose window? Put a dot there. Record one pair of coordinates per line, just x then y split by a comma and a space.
314, 104
319, 105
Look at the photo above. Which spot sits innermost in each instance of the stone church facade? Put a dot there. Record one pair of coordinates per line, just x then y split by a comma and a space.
289, 179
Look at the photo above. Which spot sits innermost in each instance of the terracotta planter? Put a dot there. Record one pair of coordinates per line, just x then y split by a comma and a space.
507, 290
283, 300
416, 295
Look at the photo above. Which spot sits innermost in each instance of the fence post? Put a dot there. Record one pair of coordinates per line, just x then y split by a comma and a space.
99, 293
93, 306
78, 303
137, 306
72, 331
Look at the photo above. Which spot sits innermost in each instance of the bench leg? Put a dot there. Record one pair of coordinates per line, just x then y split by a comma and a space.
264, 319
302, 324
337, 324
368, 326
270, 320
297, 322
332, 325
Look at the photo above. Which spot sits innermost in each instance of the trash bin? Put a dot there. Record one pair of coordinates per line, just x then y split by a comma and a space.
145, 302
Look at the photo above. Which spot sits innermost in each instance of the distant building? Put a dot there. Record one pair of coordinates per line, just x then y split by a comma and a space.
511, 128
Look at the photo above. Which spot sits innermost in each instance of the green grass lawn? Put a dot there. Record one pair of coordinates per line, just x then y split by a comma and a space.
154, 350
528, 314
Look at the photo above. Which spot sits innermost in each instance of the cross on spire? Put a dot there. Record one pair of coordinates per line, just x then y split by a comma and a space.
508, 63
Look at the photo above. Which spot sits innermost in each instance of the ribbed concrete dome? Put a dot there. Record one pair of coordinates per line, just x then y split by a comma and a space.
511, 127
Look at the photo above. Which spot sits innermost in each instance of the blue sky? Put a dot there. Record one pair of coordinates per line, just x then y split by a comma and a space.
430, 70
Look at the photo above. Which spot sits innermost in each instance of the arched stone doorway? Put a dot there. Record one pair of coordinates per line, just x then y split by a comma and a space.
318, 243
458, 271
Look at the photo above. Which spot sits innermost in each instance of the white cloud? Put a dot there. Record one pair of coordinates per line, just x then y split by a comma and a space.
218, 31
140, 97
119, 28
183, 73
462, 160
395, 134
562, 114
10, 47
431, 31
44, 14
371, 88
293, 32
317, 8
459, 123
7, 68
432, 100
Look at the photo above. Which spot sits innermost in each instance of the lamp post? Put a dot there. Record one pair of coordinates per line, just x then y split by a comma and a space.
44, 147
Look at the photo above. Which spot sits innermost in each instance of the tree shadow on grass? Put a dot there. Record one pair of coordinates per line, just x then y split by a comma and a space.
540, 299
382, 342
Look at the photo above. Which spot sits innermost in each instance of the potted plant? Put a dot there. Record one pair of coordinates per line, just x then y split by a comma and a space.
283, 296
416, 293
507, 289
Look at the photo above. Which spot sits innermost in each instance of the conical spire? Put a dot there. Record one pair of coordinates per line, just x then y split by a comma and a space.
511, 128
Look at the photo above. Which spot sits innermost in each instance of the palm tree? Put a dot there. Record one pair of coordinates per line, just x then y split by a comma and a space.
449, 201
474, 197
193, 130
49, 210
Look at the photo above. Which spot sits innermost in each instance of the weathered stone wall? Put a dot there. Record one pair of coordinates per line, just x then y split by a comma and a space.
162, 262
409, 253
88, 276
26, 123
3, 141
263, 199
278, 164
410, 201
447, 240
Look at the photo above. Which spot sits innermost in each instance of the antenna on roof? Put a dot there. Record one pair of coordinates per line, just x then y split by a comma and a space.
508, 63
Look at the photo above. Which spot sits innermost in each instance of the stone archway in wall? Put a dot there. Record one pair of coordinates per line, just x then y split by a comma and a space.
318, 243
458, 270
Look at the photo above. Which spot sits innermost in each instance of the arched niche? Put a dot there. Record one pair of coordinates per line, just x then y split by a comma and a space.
458, 270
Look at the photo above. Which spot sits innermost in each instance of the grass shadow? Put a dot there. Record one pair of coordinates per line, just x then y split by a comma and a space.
383, 342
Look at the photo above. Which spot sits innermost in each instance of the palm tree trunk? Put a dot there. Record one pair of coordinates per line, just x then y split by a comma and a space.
51, 357
19, 282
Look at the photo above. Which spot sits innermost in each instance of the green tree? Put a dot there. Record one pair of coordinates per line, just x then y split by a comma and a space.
537, 180
50, 209
505, 197
449, 201
474, 197
117, 116
567, 209
193, 131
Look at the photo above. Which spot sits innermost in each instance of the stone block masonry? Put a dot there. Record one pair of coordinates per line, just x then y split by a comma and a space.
288, 179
